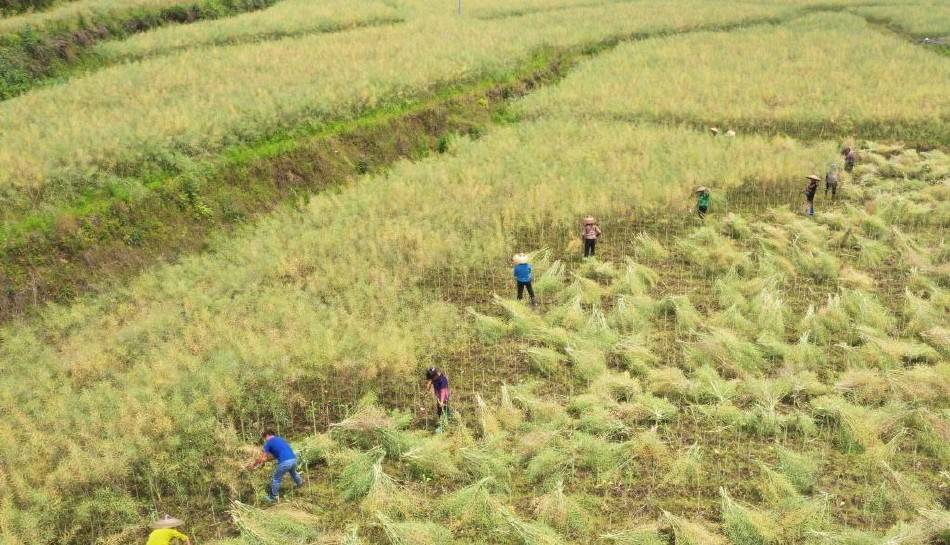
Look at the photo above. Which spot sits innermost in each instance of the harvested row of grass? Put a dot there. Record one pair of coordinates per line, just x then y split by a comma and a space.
38, 46
736, 85
286, 18
267, 322
925, 19
200, 101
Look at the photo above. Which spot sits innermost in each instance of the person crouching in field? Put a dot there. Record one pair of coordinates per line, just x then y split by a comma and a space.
831, 180
810, 191
590, 235
164, 532
702, 200
524, 276
277, 448
439, 385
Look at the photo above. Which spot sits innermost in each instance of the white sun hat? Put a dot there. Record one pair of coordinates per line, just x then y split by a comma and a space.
167, 522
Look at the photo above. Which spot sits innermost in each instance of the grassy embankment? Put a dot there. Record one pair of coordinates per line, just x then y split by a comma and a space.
181, 168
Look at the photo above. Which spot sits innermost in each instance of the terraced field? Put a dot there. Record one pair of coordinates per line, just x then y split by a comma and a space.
282, 218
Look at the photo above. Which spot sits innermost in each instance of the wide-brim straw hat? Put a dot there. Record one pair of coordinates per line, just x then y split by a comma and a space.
701, 189
167, 522
589, 220
714, 130
520, 258
813, 178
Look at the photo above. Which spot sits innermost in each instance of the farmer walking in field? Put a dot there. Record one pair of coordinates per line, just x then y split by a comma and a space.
590, 235
850, 159
278, 449
164, 532
524, 275
831, 180
702, 200
439, 386
810, 191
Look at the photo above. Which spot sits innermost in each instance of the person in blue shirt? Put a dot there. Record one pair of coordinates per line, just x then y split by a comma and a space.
524, 274
277, 448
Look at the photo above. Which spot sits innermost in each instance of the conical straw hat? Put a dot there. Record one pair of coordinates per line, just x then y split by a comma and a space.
520, 258
701, 189
167, 522
813, 178
589, 220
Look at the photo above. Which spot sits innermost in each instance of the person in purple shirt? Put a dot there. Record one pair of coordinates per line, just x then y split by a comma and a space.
277, 448
439, 384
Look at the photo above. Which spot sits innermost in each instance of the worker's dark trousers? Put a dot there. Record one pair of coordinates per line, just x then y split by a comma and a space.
833, 188
525, 285
702, 210
589, 244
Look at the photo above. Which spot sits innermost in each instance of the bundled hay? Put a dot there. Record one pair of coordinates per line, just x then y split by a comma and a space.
636, 279
775, 488
588, 363
864, 386
745, 525
509, 416
682, 310
385, 495
538, 408
735, 226
631, 314
686, 532
635, 354
570, 315
596, 454
488, 425
433, 458
474, 506
647, 408
712, 253
545, 360
550, 464
596, 332
649, 248
819, 265
589, 291
358, 477
768, 311
551, 281
800, 470
368, 417
280, 525
708, 387
734, 319
724, 350
558, 510
686, 469
668, 382
414, 533
488, 460
644, 535
491, 330
645, 451
854, 278
939, 338
314, 450
616, 387
527, 533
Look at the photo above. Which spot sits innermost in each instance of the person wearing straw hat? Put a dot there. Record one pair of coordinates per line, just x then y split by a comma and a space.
524, 276
810, 191
590, 235
277, 448
831, 180
702, 200
164, 532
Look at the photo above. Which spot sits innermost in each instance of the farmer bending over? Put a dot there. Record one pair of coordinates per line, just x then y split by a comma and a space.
831, 180
524, 275
850, 159
702, 201
164, 532
439, 384
810, 191
591, 232
277, 448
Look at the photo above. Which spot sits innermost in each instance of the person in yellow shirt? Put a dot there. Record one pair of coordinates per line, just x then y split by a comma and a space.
164, 532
